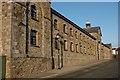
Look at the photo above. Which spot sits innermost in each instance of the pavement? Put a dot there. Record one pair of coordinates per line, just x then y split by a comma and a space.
65, 70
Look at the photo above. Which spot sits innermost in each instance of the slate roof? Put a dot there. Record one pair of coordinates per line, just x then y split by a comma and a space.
70, 22
93, 30
108, 45
118, 49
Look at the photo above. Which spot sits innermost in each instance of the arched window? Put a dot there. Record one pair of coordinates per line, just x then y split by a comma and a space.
55, 23
77, 48
64, 28
76, 34
33, 11
56, 44
71, 32
71, 46
65, 45
80, 36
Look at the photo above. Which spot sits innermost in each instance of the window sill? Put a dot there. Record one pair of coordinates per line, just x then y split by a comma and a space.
72, 51
35, 19
65, 50
35, 46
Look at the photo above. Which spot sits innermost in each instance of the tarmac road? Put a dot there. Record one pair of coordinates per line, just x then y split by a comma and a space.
107, 69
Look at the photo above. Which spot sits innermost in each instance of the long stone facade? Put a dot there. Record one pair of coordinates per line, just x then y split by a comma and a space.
35, 38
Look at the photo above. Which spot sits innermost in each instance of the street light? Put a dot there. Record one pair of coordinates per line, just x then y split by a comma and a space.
57, 36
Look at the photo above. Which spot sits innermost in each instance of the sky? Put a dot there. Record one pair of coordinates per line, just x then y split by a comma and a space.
103, 14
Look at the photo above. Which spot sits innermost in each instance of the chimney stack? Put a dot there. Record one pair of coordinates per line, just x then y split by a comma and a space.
88, 24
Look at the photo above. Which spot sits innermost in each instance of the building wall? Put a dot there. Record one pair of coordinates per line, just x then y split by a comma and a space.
97, 36
85, 54
6, 34
14, 39
98, 44
0, 29
107, 53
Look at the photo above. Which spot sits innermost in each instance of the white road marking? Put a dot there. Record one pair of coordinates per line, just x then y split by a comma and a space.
50, 76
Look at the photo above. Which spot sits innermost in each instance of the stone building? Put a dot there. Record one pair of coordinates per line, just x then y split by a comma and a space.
35, 38
107, 54
26, 30
76, 46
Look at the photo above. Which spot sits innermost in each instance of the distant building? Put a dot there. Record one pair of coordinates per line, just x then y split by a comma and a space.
114, 52
118, 52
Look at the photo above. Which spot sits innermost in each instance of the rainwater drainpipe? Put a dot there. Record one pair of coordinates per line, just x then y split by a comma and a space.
27, 11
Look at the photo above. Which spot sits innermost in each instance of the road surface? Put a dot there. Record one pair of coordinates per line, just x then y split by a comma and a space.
107, 69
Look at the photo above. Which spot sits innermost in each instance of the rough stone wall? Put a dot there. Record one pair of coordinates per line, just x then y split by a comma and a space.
0, 28
6, 34
39, 56
97, 36
29, 67
13, 27
107, 53
6, 28
18, 30
84, 55
99, 45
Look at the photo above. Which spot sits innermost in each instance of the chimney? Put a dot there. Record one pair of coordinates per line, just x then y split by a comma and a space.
88, 24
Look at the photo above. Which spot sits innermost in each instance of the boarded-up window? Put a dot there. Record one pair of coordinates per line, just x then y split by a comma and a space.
64, 28
76, 34
71, 46
77, 48
80, 36
55, 23
85, 49
36, 38
71, 32
80, 47
65, 45
37, 14
56, 44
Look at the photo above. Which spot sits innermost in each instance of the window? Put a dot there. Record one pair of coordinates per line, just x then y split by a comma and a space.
56, 44
85, 49
71, 46
84, 38
55, 23
80, 44
77, 48
76, 34
71, 32
34, 37
80, 36
64, 28
33, 12
65, 45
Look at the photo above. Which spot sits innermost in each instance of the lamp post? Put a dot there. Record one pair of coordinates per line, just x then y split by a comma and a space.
58, 37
